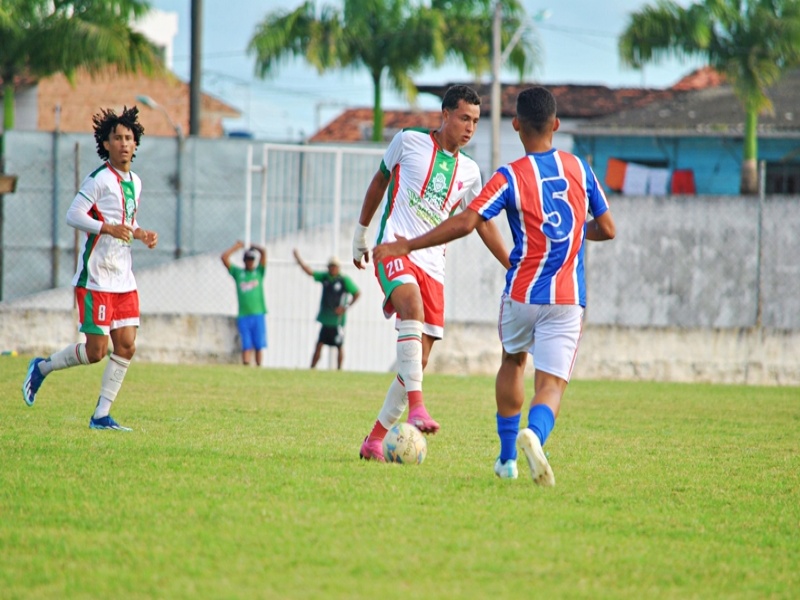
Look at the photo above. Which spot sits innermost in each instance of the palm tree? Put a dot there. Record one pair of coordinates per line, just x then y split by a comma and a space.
752, 43
41, 37
395, 38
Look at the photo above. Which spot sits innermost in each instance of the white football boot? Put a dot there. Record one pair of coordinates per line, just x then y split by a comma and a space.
541, 473
506, 470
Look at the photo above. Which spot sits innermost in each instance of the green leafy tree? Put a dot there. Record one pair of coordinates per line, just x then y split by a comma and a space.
751, 42
392, 39
39, 38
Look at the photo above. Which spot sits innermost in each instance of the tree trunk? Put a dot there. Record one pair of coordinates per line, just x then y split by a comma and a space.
8, 106
748, 185
749, 182
377, 111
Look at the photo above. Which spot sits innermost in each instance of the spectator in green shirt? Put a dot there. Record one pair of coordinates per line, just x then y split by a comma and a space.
338, 294
251, 320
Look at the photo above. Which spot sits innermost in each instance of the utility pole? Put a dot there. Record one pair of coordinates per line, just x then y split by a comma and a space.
180, 139
499, 56
196, 68
496, 100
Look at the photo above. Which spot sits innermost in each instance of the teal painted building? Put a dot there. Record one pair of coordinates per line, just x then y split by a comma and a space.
700, 131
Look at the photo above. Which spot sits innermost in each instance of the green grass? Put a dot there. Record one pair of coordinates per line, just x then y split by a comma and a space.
245, 483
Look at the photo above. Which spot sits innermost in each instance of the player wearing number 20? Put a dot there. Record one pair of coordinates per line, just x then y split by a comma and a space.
423, 178
553, 202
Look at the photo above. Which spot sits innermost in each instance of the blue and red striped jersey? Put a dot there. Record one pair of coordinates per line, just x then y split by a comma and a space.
548, 198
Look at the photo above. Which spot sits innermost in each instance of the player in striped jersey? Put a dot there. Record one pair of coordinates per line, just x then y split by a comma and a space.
553, 202
423, 178
105, 289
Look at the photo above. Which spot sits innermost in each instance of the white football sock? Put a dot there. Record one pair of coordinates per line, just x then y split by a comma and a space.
409, 354
113, 376
71, 356
394, 404
103, 408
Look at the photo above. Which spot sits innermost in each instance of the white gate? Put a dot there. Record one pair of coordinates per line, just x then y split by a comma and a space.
310, 197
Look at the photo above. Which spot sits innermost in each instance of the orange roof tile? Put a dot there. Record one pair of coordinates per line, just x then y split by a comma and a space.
355, 124
79, 102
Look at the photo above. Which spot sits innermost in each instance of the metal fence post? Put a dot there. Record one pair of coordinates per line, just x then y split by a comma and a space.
762, 167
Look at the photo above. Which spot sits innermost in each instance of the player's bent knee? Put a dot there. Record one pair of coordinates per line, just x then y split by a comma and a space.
95, 355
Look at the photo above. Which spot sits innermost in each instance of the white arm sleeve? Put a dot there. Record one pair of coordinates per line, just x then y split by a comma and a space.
78, 215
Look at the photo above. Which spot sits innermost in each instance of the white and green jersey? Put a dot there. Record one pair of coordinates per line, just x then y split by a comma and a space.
427, 184
106, 196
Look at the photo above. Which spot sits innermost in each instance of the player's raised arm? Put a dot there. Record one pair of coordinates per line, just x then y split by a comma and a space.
226, 256
308, 270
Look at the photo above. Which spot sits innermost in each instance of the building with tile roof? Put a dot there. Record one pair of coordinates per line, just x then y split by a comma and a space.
701, 131
52, 102
576, 104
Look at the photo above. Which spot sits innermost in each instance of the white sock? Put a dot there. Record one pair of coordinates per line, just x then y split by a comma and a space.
113, 375
409, 354
394, 404
103, 408
71, 356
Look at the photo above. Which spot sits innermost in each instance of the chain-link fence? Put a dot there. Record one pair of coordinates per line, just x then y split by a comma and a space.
720, 262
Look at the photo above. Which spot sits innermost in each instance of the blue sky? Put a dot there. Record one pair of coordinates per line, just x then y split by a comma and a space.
578, 43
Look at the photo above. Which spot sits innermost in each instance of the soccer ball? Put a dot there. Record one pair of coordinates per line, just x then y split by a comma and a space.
405, 444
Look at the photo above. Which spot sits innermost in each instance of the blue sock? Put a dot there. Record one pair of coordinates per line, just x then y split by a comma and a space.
541, 420
507, 429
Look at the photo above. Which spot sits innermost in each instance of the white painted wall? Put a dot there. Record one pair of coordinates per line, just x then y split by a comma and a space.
160, 27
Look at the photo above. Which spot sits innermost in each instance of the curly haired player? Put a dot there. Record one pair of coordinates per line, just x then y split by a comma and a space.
105, 289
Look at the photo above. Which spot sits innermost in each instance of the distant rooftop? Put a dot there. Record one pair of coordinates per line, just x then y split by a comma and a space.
355, 124
575, 101
706, 110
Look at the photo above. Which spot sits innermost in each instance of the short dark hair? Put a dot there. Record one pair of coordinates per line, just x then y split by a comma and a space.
459, 92
106, 121
536, 106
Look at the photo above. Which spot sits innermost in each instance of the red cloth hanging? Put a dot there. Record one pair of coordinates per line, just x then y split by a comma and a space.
683, 182
615, 174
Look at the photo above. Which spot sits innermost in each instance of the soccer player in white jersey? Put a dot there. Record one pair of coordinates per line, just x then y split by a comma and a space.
553, 203
423, 178
105, 289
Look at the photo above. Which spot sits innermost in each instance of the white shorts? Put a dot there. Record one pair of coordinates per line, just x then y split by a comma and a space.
550, 332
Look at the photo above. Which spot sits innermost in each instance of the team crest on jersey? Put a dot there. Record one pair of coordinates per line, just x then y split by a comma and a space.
129, 201
439, 183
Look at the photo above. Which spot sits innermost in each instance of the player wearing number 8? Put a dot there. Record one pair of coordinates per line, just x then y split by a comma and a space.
105, 211
548, 196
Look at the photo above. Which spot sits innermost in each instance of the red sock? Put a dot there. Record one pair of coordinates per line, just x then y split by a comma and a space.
378, 431
415, 400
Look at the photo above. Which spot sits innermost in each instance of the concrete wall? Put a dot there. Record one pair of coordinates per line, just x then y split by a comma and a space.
169, 338
731, 356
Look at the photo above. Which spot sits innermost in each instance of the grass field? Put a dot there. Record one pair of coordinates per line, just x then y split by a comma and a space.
246, 483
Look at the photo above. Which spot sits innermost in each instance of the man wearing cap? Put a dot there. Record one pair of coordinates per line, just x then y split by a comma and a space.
251, 320
338, 294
